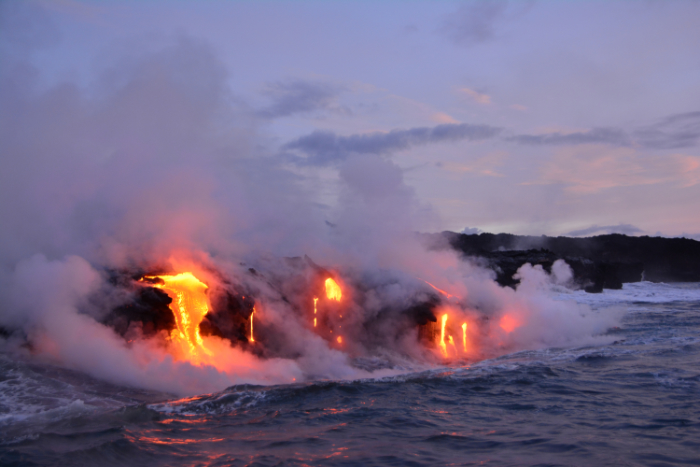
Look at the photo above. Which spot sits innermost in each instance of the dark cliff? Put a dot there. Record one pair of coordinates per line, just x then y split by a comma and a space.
604, 261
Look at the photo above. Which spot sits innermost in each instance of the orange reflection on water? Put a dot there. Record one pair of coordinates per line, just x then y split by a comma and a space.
335, 411
186, 421
172, 441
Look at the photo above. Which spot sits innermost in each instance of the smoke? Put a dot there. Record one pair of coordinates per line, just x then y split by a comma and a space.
157, 164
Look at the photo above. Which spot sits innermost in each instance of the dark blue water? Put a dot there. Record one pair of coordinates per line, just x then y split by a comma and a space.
633, 402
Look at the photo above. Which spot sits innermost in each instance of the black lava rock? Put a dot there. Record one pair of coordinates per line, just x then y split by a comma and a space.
229, 317
601, 262
149, 310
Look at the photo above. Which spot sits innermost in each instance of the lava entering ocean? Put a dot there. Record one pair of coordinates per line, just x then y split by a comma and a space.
190, 305
285, 320
197, 322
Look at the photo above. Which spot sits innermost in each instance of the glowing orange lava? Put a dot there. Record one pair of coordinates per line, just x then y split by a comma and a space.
340, 339
464, 336
190, 304
443, 346
452, 343
439, 290
333, 291
315, 302
252, 338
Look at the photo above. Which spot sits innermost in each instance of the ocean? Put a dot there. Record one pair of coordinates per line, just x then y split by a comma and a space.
633, 401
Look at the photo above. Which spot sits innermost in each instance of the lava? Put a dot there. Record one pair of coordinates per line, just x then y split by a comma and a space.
190, 304
442, 334
315, 303
252, 338
452, 343
439, 290
333, 291
464, 336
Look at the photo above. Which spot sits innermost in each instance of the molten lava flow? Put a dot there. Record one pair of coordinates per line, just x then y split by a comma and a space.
315, 302
333, 291
189, 306
439, 290
442, 335
464, 336
252, 338
452, 343
340, 339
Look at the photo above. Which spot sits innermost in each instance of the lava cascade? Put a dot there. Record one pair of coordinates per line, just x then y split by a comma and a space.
190, 305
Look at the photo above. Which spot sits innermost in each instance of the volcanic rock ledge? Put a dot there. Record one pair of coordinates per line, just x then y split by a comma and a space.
600, 262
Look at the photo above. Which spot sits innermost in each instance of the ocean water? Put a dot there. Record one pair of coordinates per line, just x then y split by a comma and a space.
635, 401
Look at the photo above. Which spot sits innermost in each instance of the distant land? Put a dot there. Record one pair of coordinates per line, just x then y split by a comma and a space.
600, 262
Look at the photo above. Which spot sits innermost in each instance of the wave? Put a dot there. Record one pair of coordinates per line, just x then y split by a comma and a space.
636, 293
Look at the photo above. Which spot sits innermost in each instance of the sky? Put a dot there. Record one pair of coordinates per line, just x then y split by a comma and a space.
528, 117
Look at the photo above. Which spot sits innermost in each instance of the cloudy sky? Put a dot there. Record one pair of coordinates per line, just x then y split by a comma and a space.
529, 117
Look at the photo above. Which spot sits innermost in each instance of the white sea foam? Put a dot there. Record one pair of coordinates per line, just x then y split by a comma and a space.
34, 393
636, 293
24, 398
223, 402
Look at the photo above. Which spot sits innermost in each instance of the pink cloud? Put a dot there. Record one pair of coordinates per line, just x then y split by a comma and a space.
479, 98
486, 165
593, 168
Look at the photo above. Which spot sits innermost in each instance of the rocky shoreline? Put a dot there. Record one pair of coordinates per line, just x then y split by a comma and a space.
600, 262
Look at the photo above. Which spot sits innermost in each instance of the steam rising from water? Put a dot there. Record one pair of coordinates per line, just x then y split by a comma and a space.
157, 164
